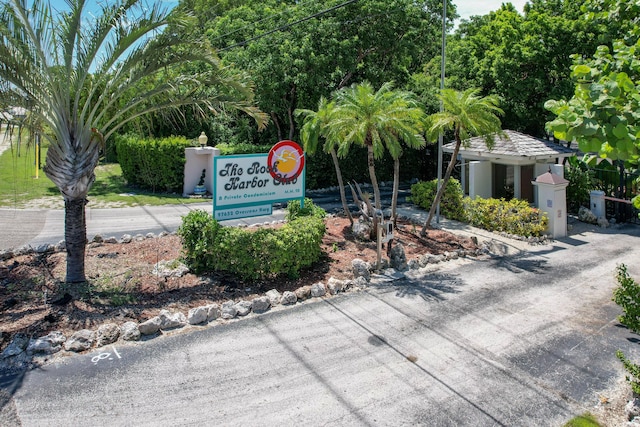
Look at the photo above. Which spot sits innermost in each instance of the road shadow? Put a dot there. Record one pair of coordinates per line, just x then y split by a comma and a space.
430, 287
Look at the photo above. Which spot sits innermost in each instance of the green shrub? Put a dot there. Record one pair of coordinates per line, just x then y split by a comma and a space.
451, 206
294, 210
234, 149
513, 217
580, 184
252, 255
633, 370
156, 164
627, 296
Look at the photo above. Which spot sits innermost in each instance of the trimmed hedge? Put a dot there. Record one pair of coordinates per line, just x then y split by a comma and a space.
513, 217
252, 254
451, 205
156, 164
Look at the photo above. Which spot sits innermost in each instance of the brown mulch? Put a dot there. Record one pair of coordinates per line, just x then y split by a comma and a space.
122, 285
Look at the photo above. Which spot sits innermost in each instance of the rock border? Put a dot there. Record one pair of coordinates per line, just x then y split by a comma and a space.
22, 348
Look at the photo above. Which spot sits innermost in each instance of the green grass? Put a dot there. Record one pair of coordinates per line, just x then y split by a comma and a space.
585, 420
19, 186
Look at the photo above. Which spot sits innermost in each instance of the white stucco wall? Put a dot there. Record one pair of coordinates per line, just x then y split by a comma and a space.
480, 179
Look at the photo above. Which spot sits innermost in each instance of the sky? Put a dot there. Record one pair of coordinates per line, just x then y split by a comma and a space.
467, 8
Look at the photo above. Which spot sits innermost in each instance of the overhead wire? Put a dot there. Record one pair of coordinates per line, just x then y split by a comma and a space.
286, 26
253, 24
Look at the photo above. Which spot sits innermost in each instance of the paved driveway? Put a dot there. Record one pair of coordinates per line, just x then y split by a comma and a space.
524, 340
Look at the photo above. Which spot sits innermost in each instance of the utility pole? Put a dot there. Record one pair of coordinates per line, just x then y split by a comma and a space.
442, 61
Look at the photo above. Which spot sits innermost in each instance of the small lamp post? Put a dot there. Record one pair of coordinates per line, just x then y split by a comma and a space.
202, 139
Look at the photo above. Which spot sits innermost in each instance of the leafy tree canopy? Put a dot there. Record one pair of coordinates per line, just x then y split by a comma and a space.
523, 59
318, 49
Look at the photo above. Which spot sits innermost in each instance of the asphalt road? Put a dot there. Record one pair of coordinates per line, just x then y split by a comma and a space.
34, 227
526, 340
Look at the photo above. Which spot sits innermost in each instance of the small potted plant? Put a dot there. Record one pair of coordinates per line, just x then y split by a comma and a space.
201, 189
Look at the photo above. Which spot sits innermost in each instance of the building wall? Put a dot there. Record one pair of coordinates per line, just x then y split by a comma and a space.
480, 179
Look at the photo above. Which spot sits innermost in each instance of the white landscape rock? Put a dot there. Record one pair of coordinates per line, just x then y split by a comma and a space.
129, 331
336, 285
197, 315
260, 304
213, 312
243, 307
48, 344
17, 346
318, 290
80, 341
229, 310
274, 297
288, 298
150, 326
170, 320
107, 333
361, 268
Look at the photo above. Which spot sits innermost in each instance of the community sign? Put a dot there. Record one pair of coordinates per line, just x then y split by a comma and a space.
248, 185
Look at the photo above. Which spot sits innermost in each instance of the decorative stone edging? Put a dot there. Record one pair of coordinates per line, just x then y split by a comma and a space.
22, 348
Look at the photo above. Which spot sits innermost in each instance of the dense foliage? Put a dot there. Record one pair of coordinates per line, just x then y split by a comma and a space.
522, 58
153, 163
507, 216
253, 254
627, 296
513, 217
451, 205
581, 183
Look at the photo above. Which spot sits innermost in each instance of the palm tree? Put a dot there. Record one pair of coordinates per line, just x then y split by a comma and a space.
316, 125
467, 115
84, 75
378, 120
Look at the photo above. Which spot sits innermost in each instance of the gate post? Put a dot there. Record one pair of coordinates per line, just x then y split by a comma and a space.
552, 199
597, 203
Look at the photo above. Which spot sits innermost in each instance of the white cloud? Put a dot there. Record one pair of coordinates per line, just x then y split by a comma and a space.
468, 8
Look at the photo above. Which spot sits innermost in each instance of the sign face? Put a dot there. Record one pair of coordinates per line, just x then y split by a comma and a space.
247, 185
248, 211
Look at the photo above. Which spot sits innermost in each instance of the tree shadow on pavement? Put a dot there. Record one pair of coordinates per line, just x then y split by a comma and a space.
431, 287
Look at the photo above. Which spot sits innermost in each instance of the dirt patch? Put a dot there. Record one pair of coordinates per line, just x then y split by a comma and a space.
123, 286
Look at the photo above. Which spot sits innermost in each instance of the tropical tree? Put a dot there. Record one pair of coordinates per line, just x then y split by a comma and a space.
85, 73
379, 120
603, 116
522, 58
466, 114
316, 125
346, 42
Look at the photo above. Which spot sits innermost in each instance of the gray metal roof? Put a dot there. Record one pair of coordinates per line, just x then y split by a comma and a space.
513, 145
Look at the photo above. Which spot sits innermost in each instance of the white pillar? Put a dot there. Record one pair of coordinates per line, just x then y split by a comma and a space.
517, 182
463, 177
197, 159
480, 179
552, 199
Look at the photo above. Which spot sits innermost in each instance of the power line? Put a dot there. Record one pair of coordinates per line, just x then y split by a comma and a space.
284, 27
259, 21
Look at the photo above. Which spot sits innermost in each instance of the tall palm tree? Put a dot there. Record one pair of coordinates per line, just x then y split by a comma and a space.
379, 120
84, 74
467, 115
316, 125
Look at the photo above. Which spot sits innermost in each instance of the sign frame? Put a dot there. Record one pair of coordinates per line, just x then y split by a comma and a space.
244, 183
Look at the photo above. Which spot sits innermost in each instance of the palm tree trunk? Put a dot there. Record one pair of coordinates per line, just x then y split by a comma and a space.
343, 196
75, 234
445, 180
396, 184
372, 175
